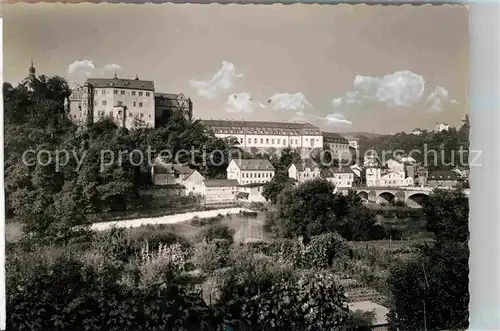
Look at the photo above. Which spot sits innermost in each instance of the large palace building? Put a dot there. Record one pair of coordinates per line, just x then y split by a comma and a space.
268, 134
277, 135
129, 102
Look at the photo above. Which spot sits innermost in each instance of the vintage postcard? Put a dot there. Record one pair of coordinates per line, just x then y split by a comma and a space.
225, 167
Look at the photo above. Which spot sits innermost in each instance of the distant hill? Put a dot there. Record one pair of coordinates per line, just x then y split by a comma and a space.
362, 134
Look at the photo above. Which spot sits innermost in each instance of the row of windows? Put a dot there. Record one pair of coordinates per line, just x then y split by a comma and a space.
120, 103
123, 92
339, 146
255, 131
102, 113
256, 175
348, 183
307, 175
278, 141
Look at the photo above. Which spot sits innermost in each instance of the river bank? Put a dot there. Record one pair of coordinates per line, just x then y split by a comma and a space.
170, 219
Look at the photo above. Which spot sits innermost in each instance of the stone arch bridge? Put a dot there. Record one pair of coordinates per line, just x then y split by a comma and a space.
411, 196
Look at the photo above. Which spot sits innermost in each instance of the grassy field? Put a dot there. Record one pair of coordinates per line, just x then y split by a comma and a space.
247, 229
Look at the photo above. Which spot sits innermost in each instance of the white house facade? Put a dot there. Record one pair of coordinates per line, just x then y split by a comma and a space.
304, 171
176, 174
220, 191
343, 177
248, 171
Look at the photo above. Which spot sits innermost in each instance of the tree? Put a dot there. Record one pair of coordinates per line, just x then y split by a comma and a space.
275, 186
46, 197
287, 157
434, 285
448, 215
307, 210
312, 208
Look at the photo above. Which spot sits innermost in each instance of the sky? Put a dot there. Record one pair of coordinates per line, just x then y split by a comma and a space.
344, 68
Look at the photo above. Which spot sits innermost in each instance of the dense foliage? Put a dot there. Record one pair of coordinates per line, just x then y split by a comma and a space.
432, 290
56, 173
313, 208
143, 279
435, 150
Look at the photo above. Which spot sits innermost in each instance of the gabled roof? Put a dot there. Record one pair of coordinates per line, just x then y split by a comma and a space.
259, 128
332, 137
257, 124
220, 182
253, 185
167, 95
169, 168
122, 83
254, 164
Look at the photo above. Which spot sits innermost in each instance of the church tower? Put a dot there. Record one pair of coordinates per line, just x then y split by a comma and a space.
30, 82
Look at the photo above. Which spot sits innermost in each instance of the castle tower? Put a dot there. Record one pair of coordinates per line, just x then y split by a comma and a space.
87, 114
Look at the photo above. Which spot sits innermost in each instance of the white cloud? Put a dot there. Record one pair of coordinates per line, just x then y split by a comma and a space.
221, 80
84, 66
337, 118
438, 98
399, 89
289, 101
239, 102
331, 119
112, 67
79, 71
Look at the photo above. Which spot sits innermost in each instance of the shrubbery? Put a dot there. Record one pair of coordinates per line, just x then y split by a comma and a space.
57, 290
319, 252
211, 255
217, 231
311, 301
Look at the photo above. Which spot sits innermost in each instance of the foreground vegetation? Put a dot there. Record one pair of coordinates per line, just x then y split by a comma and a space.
151, 279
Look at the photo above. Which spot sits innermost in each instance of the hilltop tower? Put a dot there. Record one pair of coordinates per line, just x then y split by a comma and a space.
30, 81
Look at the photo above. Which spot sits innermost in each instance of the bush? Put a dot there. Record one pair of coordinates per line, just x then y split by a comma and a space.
217, 231
56, 290
320, 252
155, 235
211, 255
310, 302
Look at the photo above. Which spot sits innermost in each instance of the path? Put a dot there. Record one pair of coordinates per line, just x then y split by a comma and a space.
170, 219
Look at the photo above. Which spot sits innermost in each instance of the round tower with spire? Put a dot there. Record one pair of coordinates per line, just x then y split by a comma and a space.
30, 81
32, 70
